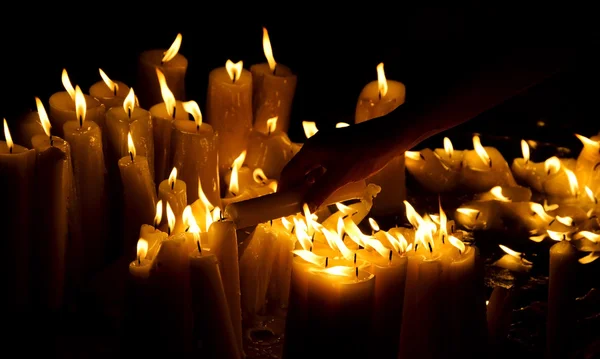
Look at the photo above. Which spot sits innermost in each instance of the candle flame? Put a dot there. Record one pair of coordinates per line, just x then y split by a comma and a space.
189, 221
591, 236
310, 257
525, 150
308, 218
234, 186
381, 81
413, 155
216, 214
340, 271
374, 224
43, 115
457, 243
80, 105
552, 165
540, 211
193, 109
113, 86
335, 242
268, 50
130, 145
129, 102
310, 128
159, 213
399, 242
498, 196
209, 206
538, 238
301, 234
346, 210
355, 233
443, 221
588, 142
481, 152
173, 177
272, 124
167, 95
448, 147
549, 207
67, 84
234, 69
590, 194
413, 217
558, 236
510, 251
287, 224
573, 184
170, 218
259, 176
341, 125
589, 258
142, 249
173, 50
9, 141
567, 221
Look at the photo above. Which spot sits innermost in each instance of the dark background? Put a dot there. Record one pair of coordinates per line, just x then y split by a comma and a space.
333, 49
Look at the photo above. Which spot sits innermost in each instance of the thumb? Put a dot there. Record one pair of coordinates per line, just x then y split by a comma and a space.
323, 187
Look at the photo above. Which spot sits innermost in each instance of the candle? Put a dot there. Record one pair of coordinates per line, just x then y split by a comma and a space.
195, 154
85, 138
270, 151
139, 191
561, 300
529, 172
54, 183
378, 98
479, 215
243, 174
126, 119
153, 235
171, 63
163, 115
449, 156
229, 109
213, 329
561, 180
499, 315
63, 107
431, 173
29, 127
513, 261
279, 285
18, 168
587, 162
110, 93
484, 168
273, 87
222, 241
173, 192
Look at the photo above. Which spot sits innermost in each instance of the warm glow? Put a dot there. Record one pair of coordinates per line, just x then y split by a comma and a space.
268, 50
413, 155
510, 251
308, 219
588, 142
381, 81
216, 216
158, 215
594, 237
355, 233
310, 128
591, 195
259, 175
209, 206
525, 150
300, 230
80, 105
498, 196
341, 125
481, 152
113, 86
443, 222
470, 212
170, 218
43, 115
540, 211
335, 242
193, 109
129, 102
346, 210
167, 95
234, 186
589, 258
413, 217
173, 177
234, 70
374, 224
558, 236
173, 50
130, 146
310, 257
567, 221
573, 184
67, 84
457, 243
340, 271
9, 142
399, 243
142, 249
272, 124
538, 238
189, 221
552, 165
448, 148
287, 224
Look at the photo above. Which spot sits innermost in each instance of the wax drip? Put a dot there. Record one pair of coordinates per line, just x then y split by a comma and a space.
131, 155
326, 261
430, 248
199, 247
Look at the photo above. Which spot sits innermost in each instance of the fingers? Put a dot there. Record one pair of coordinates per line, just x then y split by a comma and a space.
323, 187
294, 173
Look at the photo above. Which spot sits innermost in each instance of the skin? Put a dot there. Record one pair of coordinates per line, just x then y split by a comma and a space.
334, 157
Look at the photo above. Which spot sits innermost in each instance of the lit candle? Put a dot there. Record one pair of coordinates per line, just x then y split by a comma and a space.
499, 315
195, 154
279, 286
479, 215
173, 192
587, 162
140, 194
63, 107
484, 168
110, 93
269, 151
125, 119
513, 261
431, 173
378, 98
561, 300
54, 183
236, 194
449, 156
561, 181
171, 63
229, 109
85, 138
529, 172
152, 234
140, 301
163, 115
222, 241
17, 178
273, 90
244, 173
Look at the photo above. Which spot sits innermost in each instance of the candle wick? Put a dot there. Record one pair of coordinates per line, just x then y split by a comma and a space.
389, 257
173, 185
360, 246
169, 230
443, 239
233, 193
199, 247
197, 128
421, 155
162, 62
416, 246
379, 93
139, 260
275, 70
552, 221
293, 228
51, 140
174, 111
10, 149
233, 79
310, 249
595, 200
115, 90
326, 261
356, 272
355, 258
477, 216
129, 111
187, 229
312, 239
430, 248
459, 251
131, 155
80, 121
490, 163
452, 229
155, 224
271, 223
564, 237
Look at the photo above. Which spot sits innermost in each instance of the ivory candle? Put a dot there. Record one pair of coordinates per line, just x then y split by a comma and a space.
222, 241
378, 98
479, 215
449, 156
140, 194
244, 176
108, 92
126, 119
174, 192
85, 138
587, 162
431, 173
273, 87
269, 152
484, 168
63, 107
528, 171
17, 165
561, 181
195, 154
229, 109
513, 261
153, 236
171, 63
